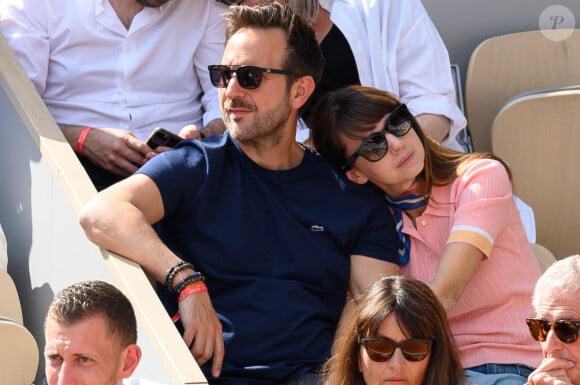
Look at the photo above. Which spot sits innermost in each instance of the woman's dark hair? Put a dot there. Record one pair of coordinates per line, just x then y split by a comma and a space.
418, 313
357, 109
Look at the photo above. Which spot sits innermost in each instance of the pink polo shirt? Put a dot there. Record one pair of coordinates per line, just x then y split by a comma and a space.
488, 321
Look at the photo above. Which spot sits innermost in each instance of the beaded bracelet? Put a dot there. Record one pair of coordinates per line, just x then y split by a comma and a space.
197, 287
190, 279
172, 272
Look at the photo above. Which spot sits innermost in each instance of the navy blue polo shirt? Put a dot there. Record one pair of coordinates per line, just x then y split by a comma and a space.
274, 247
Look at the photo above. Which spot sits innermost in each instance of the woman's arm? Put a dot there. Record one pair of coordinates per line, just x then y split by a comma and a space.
458, 264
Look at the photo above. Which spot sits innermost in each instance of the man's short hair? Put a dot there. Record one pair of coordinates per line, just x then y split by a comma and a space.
304, 57
563, 274
92, 298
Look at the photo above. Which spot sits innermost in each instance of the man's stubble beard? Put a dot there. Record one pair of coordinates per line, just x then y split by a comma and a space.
267, 127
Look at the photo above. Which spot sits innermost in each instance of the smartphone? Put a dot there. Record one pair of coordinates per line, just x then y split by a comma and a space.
162, 137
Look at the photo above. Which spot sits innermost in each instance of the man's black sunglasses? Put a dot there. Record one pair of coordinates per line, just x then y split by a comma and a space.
230, 2
248, 77
375, 146
566, 330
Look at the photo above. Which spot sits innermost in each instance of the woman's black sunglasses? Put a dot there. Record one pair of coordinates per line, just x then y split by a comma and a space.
375, 146
248, 77
381, 349
566, 330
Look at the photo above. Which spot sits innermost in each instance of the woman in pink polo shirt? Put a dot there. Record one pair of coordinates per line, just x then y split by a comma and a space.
458, 226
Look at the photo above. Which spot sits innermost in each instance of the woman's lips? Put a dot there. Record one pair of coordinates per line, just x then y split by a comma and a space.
406, 160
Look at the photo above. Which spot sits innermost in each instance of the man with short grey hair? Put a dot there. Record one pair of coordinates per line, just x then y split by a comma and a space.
556, 300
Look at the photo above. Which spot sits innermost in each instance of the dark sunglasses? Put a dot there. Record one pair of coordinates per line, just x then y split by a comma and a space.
381, 349
375, 146
566, 330
231, 2
248, 77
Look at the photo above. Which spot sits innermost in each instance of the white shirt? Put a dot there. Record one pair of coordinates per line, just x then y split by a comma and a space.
90, 70
398, 49
139, 381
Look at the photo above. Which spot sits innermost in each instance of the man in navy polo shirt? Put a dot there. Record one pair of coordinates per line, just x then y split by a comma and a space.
260, 239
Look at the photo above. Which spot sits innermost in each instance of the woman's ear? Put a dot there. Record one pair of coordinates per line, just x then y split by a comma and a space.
301, 91
355, 176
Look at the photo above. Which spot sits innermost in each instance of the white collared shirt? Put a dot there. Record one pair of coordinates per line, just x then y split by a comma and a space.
398, 49
90, 70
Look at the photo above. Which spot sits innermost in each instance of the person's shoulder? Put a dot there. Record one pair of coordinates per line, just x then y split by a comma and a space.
187, 155
211, 143
317, 163
483, 164
357, 194
482, 168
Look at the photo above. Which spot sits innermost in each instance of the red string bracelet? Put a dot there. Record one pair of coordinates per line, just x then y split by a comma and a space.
191, 289
82, 139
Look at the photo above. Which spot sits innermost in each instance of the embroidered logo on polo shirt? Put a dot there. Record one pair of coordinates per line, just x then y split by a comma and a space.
317, 228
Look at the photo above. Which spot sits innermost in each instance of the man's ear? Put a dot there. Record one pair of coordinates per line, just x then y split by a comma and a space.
301, 90
355, 176
131, 356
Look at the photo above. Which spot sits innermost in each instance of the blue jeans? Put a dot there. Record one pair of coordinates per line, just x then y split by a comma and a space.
498, 374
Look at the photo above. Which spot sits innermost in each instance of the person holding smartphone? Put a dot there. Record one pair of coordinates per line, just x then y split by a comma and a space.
111, 71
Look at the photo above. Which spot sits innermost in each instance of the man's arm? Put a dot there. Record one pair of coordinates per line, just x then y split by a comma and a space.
24, 25
210, 51
363, 272
424, 76
459, 263
115, 150
436, 126
119, 219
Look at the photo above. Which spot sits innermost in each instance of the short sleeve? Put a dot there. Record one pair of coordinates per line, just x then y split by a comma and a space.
483, 195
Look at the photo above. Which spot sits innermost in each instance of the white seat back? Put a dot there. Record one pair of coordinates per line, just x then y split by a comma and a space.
539, 136
9, 300
503, 66
18, 354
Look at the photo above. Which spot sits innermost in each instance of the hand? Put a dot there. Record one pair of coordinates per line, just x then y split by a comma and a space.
190, 132
116, 150
203, 328
215, 127
552, 371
